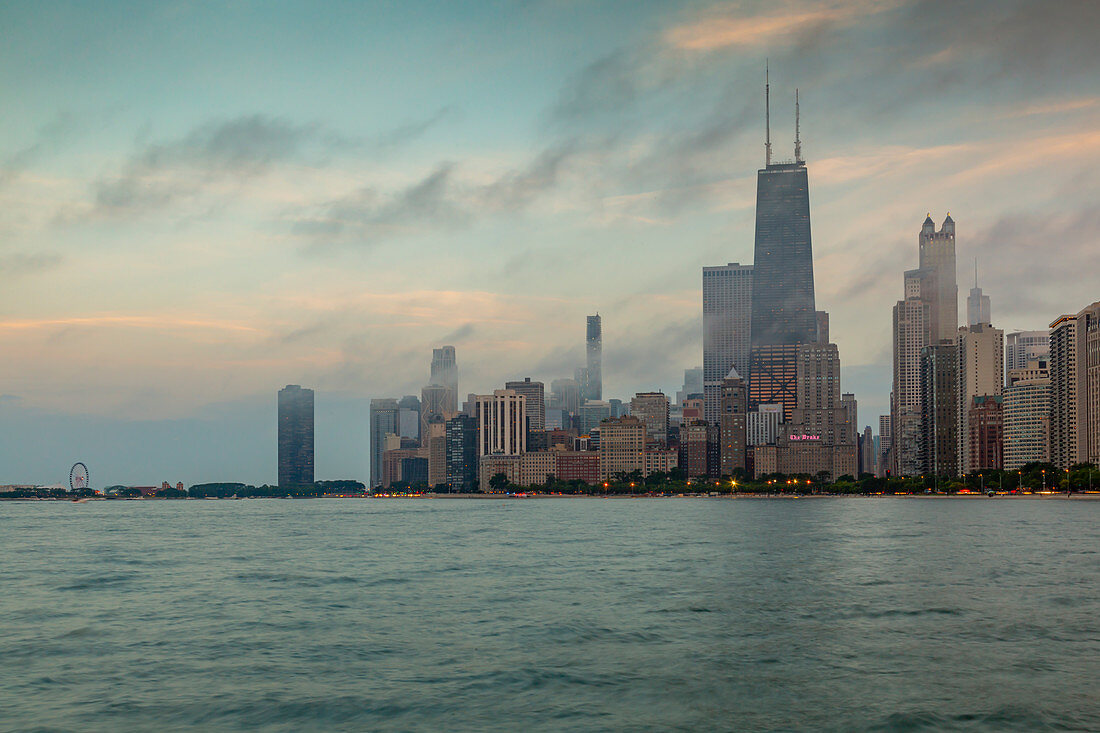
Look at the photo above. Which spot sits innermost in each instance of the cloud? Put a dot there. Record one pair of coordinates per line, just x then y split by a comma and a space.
409, 131
729, 26
236, 149
516, 189
367, 216
462, 333
654, 351
1055, 107
48, 137
1042, 290
15, 264
441, 200
159, 323
608, 84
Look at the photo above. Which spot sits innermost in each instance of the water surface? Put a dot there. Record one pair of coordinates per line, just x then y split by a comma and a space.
551, 614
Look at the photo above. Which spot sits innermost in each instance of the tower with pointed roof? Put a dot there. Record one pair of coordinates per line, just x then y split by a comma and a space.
928, 314
937, 254
732, 424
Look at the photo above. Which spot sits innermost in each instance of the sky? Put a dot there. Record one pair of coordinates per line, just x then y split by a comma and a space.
201, 202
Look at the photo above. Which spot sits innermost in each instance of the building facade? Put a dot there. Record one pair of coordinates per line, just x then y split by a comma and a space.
384, 420
733, 425
986, 439
652, 409
295, 464
593, 349
501, 423
727, 320
444, 373
939, 442
928, 313
536, 402
622, 446
981, 374
462, 454
1027, 416
1023, 347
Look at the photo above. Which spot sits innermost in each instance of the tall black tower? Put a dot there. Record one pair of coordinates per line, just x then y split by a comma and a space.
783, 311
593, 346
295, 436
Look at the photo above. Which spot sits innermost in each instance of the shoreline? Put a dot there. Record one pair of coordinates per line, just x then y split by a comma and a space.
1084, 496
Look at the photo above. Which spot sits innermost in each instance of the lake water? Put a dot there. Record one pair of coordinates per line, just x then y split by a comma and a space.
551, 614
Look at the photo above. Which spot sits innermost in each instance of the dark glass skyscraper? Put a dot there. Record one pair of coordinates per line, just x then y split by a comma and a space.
783, 309
295, 436
783, 312
593, 341
462, 454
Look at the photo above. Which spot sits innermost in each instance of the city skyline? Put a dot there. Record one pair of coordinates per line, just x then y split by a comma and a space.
165, 267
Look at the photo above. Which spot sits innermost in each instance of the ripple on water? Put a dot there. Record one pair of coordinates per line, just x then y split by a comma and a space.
542, 616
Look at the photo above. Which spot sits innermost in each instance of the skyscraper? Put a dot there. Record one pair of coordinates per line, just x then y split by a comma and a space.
434, 403
1027, 416
445, 373
1023, 347
733, 425
977, 307
501, 423
622, 446
885, 443
462, 453
409, 407
981, 374
295, 436
867, 452
536, 402
783, 310
384, 420
593, 347
652, 409
939, 440
565, 394
727, 318
927, 314
937, 255
1075, 388
986, 440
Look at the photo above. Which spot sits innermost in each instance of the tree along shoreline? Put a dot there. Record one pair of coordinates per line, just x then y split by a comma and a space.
1036, 478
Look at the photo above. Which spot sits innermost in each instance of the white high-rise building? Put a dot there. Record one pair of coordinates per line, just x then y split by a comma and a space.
1027, 416
501, 423
727, 320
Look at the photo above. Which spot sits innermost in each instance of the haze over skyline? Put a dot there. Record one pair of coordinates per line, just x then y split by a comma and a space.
201, 203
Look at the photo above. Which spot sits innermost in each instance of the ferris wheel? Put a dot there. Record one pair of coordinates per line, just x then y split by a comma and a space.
78, 476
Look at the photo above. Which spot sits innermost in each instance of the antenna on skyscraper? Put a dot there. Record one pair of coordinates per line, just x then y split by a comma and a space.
975, 272
797, 138
767, 116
